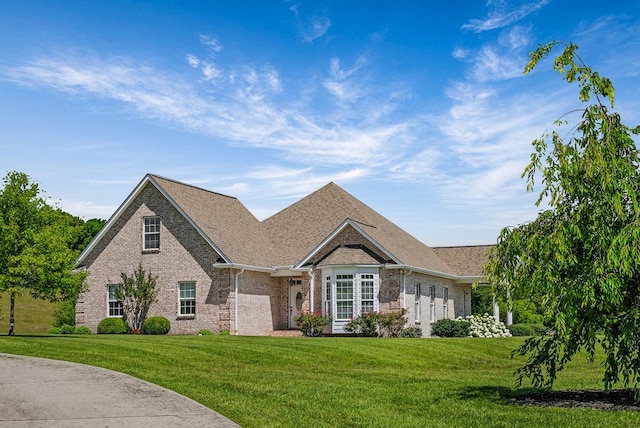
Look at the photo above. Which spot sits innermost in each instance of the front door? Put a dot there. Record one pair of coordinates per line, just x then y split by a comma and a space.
295, 301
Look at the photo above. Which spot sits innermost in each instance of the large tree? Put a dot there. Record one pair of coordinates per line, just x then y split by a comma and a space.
581, 256
35, 253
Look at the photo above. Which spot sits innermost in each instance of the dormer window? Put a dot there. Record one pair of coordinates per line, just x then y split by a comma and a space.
151, 233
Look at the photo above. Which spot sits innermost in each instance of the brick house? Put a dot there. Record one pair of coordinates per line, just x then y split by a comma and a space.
219, 268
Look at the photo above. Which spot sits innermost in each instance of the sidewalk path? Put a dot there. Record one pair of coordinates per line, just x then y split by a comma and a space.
35, 392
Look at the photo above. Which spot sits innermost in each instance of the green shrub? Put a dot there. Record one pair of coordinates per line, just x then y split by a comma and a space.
366, 325
205, 332
520, 330
82, 330
55, 330
67, 329
156, 325
378, 324
450, 328
64, 314
63, 329
311, 324
527, 329
411, 332
113, 326
224, 332
392, 323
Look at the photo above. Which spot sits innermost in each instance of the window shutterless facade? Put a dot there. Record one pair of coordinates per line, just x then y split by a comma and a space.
187, 299
151, 233
114, 305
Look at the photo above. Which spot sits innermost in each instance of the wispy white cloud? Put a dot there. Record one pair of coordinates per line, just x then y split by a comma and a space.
503, 15
249, 107
211, 42
315, 28
342, 83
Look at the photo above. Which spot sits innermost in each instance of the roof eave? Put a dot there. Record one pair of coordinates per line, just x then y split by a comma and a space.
453, 277
244, 267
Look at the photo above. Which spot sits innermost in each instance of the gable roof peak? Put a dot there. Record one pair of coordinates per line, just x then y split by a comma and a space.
157, 178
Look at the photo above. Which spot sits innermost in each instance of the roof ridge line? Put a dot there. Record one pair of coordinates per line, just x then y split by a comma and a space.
190, 185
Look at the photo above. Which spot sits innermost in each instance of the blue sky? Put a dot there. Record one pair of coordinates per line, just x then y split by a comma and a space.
419, 109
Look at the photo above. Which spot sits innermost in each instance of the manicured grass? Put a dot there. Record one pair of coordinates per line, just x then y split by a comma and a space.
31, 315
355, 382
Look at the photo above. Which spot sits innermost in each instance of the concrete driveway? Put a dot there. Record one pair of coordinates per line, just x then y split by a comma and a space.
35, 392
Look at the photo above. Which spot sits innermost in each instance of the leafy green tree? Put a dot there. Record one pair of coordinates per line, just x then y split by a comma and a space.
34, 246
581, 255
83, 233
137, 292
86, 231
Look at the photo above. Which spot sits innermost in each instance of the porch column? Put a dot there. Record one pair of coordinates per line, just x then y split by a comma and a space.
496, 310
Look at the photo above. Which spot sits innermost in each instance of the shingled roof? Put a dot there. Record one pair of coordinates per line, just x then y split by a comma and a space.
289, 236
225, 220
465, 260
298, 229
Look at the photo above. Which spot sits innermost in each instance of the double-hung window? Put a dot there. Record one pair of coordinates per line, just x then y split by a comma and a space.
152, 233
366, 292
114, 304
432, 303
344, 296
417, 304
445, 303
327, 295
187, 298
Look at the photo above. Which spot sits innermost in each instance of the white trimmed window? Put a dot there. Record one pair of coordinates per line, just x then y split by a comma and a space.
348, 292
187, 298
367, 295
327, 295
344, 296
152, 233
432, 303
445, 302
418, 314
113, 303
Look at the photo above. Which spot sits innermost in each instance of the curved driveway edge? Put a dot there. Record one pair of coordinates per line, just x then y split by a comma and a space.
36, 392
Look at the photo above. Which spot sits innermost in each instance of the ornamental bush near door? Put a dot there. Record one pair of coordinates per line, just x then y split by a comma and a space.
311, 324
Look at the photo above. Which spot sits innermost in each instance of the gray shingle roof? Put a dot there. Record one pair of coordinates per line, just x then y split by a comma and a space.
465, 260
298, 229
225, 220
287, 237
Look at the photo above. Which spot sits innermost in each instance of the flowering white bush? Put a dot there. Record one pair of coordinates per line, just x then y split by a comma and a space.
485, 325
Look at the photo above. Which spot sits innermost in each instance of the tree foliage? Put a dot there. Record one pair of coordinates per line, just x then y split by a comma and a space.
137, 292
581, 256
35, 253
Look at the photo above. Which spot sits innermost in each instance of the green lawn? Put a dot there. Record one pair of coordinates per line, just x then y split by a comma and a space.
31, 315
355, 382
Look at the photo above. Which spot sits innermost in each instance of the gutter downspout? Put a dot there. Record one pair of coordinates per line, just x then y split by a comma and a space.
235, 302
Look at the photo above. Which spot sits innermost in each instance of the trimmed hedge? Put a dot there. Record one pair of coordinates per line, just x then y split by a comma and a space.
156, 325
527, 329
450, 328
113, 326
